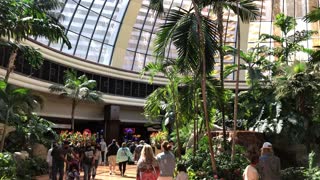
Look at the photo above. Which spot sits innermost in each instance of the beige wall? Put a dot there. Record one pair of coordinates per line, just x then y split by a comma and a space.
55, 106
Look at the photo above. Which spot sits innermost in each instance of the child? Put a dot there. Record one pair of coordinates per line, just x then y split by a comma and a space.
182, 172
251, 173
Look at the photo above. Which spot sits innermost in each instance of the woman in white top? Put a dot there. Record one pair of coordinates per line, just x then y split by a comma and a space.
251, 173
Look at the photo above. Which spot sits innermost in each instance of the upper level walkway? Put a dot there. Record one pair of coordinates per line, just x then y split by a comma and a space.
103, 174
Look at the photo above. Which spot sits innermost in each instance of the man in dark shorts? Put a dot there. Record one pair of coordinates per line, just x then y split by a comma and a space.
58, 159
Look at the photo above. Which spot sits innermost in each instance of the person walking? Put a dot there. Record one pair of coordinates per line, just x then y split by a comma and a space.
88, 161
49, 161
58, 159
167, 162
97, 155
147, 166
111, 155
251, 173
269, 164
137, 150
103, 146
123, 156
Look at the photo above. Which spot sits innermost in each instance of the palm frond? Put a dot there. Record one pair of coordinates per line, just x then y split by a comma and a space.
312, 16
247, 9
264, 37
157, 5
57, 88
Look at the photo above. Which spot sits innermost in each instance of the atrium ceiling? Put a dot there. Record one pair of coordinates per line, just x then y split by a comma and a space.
95, 28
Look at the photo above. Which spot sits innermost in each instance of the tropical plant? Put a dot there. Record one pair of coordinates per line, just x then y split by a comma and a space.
313, 16
7, 166
297, 87
311, 172
24, 18
15, 103
199, 166
165, 98
158, 137
288, 44
247, 11
76, 137
195, 37
78, 89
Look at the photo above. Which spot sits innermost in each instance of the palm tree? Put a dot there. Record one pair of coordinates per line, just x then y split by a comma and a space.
78, 89
168, 94
247, 11
196, 44
21, 19
235, 110
194, 36
15, 102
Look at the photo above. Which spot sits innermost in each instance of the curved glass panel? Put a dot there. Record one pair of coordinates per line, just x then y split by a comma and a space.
92, 27
139, 50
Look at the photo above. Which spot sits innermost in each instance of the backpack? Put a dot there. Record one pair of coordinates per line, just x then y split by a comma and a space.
148, 174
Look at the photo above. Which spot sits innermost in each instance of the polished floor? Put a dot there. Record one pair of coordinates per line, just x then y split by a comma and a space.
103, 174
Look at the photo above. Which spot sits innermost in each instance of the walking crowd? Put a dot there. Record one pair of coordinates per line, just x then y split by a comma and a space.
86, 157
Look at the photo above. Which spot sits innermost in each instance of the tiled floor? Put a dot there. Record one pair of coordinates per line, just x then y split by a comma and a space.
103, 174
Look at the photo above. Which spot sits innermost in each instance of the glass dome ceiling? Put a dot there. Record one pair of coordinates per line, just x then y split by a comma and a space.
93, 28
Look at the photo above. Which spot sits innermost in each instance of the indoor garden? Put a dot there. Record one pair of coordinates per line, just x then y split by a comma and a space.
216, 129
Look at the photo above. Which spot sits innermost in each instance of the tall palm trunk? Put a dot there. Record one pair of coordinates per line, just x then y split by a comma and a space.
203, 83
74, 103
235, 111
177, 111
11, 62
178, 135
221, 53
195, 123
4, 131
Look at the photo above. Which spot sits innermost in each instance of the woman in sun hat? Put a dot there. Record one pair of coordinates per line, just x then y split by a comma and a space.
269, 164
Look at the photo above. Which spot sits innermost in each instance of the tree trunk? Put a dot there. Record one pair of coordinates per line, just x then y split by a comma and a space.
178, 137
221, 53
72, 113
11, 62
195, 124
4, 131
203, 84
177, 117
235, 111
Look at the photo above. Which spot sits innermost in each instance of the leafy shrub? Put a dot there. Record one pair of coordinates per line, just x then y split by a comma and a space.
26, 169
7, 166
302, 173
199, 167
293, 173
